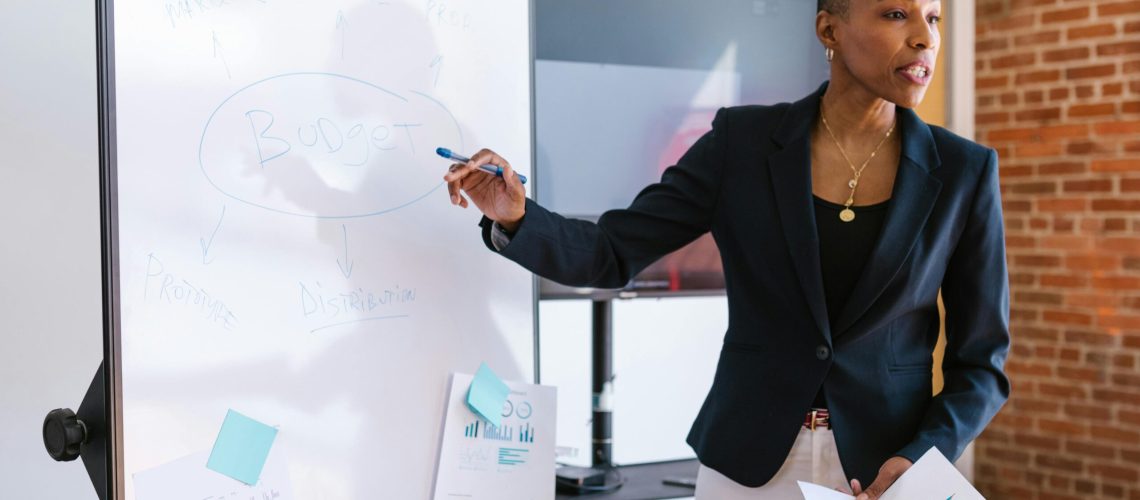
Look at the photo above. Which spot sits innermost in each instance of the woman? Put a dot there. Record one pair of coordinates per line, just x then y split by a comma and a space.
838, 218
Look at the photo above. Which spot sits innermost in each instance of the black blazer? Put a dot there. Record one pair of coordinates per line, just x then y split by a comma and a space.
749, 182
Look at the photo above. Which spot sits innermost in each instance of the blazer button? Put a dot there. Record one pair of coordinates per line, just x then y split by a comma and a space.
822, 352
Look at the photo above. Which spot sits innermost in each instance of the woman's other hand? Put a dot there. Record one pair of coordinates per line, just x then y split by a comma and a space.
501, 199
888, 474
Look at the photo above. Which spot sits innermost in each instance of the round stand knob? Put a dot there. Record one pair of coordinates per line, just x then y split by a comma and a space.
63, 434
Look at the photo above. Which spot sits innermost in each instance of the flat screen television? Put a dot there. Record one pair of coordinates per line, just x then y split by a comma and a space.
639, 90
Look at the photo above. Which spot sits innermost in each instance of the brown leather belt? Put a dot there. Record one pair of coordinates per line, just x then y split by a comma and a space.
817, 418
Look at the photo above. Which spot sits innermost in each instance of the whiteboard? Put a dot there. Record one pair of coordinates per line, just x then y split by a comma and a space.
286, 245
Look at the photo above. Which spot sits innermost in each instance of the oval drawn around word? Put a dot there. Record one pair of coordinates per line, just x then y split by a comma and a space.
326, 146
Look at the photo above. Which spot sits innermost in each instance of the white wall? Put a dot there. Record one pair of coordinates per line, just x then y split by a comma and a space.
49, 252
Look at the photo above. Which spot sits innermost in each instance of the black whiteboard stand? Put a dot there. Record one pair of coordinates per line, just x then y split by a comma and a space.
602, 476
643, 481
603, 377
69, 435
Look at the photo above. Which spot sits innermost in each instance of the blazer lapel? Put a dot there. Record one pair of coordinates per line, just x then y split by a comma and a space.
912, 198
790, 169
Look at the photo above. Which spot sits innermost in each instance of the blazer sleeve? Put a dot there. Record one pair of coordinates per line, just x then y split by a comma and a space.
663, 217
975, 292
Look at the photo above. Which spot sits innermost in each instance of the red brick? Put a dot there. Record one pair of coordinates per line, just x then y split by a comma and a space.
1116, 472
991, 44
1068, 318
1060, 168
1115, 204
989, 118
1115, 127
1118, 8
1085, 110
1088, 186
1115, 323
1037, 38
1064, 15
1089, 449
1088, 148
1116, 282
1013, 60
1012, 23
1090, 300
1062, 391
1064, 280
1122, 380
1050, 75
1034, 188
1091, 262
1059, 463
1041, 114
1120, 244
1095, 71
1061, 204
1123, 165
1117, 396
1036, 369
1129, 416
1094, 31
1116, 49
1006, 454
991, 81
1081, 374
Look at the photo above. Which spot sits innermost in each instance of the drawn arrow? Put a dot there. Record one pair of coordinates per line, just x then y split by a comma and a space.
346, 267
341, 25
437, 63
218, 54
206, 244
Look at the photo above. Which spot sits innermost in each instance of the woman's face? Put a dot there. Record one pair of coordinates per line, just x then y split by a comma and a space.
890, 46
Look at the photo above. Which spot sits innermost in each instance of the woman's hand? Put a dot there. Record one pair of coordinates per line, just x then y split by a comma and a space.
501, 199
888, 474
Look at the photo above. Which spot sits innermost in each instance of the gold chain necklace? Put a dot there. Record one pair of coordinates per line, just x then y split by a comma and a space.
848, 215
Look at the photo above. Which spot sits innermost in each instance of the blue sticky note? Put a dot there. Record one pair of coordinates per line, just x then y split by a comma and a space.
487, 395
241, 448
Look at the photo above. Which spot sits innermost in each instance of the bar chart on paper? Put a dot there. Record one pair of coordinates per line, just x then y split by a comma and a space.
477, 458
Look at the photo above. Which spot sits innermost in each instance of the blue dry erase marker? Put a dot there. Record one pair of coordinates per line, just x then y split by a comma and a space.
490, 169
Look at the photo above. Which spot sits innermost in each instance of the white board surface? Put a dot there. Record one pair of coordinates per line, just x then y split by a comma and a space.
286, 244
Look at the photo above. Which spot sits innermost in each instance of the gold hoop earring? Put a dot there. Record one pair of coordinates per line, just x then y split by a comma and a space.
830, 54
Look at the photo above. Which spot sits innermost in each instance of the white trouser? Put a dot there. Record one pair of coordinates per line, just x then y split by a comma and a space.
813, 458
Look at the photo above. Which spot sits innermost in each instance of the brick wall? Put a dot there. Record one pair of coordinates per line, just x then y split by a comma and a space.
1058, 95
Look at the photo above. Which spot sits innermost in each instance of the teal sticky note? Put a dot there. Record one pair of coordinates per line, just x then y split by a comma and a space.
241, 448
487, 395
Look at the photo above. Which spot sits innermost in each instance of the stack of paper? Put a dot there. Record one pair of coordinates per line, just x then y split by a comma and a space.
931, 477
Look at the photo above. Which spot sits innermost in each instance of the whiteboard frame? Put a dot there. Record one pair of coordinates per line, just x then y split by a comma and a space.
109, 235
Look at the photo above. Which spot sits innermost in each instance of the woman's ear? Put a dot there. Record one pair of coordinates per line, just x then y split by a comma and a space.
825, 29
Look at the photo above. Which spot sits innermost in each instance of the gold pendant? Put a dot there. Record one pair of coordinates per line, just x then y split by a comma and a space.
847, 215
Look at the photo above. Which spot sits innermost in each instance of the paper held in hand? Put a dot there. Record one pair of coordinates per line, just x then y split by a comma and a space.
931, 477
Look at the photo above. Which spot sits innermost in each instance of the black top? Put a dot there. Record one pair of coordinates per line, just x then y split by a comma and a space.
843, 249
